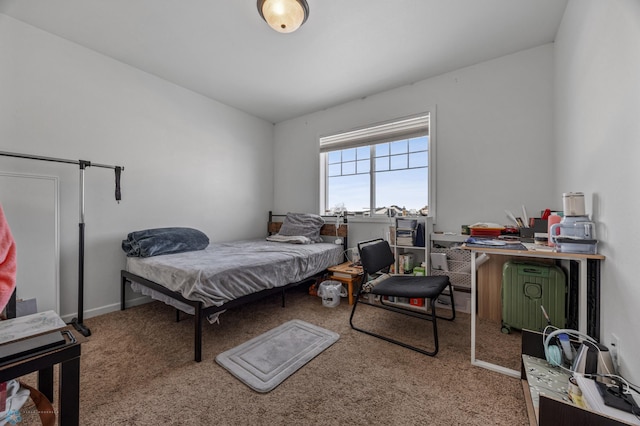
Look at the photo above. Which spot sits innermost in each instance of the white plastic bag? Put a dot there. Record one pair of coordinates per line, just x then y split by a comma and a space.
16, 397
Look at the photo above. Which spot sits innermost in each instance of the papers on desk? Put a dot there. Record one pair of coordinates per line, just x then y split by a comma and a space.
538, 247
29, 325
593, 399
494, 243
486, 242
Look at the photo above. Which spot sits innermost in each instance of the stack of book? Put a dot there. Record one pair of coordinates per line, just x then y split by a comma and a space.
406, 232
404, 237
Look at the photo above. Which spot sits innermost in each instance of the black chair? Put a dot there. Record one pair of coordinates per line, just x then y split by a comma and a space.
376, 256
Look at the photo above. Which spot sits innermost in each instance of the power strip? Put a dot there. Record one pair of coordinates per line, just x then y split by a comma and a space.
613, 397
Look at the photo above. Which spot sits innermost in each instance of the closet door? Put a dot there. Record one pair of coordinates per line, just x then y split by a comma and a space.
30, 203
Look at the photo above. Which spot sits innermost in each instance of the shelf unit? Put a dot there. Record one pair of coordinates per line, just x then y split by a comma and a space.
409, 226
459, 264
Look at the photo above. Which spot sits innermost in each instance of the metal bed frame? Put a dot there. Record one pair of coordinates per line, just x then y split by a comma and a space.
201, 312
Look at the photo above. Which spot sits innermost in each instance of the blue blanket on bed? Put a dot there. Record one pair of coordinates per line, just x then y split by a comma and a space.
154, 242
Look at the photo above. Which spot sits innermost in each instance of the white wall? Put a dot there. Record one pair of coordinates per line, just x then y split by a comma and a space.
189, 161
494, 139
597, 98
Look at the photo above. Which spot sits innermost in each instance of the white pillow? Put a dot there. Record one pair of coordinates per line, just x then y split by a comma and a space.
302, 224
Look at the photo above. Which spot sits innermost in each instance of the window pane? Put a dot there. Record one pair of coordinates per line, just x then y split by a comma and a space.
350, 191
335, 157
349, 154
419, 144
335, 169
419, 159
399, 162
382, 149
349, 168
402, 188
382, 163
363, 153
364, 166
399, 147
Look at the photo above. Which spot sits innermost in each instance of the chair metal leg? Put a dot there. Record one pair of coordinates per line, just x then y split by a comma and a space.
430, 317
453, 306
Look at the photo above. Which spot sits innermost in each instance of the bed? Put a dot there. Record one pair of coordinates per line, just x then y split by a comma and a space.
221, 276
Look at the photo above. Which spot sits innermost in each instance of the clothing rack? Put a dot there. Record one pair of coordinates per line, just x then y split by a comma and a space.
83, 164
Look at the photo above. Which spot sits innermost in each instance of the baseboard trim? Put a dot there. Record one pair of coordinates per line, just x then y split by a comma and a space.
90, 313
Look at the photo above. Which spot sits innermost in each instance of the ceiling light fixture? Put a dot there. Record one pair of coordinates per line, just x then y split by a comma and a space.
284, 16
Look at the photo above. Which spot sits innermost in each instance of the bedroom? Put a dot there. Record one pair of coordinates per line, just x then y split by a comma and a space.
572, 126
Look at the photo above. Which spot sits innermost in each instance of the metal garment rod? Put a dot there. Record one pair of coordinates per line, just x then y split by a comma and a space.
83, 164
57, 160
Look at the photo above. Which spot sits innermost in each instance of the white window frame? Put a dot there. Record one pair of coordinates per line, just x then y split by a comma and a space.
387, 131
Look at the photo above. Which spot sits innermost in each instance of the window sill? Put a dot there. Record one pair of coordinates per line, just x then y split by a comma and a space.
374, 219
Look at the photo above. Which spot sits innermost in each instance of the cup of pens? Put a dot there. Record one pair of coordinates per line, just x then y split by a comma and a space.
521, 222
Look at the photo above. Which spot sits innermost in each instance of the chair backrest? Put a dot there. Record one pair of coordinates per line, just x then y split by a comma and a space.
375, 255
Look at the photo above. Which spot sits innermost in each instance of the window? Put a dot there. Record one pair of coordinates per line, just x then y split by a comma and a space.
378, 168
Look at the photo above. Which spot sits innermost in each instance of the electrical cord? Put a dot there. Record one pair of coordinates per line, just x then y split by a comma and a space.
622, 388
558, 362
624, 393
349, 253
634, 387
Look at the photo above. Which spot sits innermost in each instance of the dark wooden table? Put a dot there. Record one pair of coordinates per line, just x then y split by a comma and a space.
68, 356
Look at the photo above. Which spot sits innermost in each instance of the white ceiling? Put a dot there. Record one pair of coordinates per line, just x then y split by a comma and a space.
346, 50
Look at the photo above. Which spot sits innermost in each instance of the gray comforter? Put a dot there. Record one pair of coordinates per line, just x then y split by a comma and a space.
226, 271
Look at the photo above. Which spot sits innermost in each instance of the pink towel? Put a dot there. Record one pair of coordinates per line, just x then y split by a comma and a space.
8, 262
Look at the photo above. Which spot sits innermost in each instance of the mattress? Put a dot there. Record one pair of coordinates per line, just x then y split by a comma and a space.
227, 271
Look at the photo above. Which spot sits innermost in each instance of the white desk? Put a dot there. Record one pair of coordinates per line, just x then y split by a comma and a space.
543, 254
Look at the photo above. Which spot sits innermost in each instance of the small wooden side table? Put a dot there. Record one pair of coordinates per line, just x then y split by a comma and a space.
347, 274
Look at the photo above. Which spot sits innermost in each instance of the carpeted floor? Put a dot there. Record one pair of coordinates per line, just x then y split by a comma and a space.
138, 369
